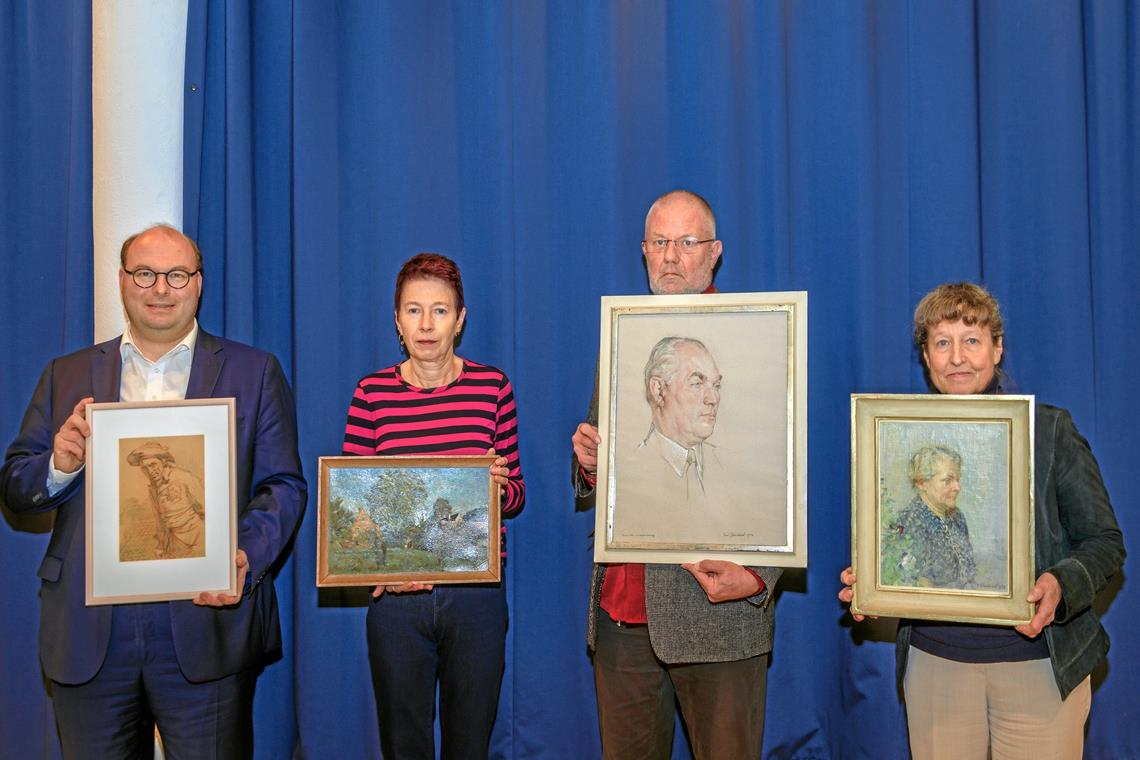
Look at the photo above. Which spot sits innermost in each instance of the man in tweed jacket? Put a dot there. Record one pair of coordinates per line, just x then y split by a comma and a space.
700, 632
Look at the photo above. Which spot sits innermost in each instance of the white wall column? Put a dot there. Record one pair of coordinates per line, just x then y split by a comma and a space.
137, 73
138, 56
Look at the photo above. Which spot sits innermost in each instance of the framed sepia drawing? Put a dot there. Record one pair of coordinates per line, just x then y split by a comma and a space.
407, 519
161, 507
942, 507
702, 411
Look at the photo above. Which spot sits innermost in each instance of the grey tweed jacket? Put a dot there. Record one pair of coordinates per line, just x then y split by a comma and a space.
684, 626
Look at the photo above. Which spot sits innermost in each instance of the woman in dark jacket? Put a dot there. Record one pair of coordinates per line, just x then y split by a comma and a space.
973, 690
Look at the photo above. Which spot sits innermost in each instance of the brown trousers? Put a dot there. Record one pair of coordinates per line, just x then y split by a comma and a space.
722, 703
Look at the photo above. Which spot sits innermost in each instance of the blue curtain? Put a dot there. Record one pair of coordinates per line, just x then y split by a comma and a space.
45, 303
237, 204
862, 152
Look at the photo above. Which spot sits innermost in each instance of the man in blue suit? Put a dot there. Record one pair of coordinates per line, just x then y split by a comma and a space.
188, 666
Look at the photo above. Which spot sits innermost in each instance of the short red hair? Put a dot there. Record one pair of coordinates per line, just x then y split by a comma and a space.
430, 266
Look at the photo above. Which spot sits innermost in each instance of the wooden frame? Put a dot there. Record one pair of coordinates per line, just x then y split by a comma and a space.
733, 405
384, 520
975, 562
161, 509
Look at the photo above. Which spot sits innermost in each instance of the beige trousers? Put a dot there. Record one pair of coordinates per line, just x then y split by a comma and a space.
1002, 710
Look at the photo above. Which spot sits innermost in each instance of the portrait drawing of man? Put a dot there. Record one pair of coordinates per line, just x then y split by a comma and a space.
178, 499
674, 467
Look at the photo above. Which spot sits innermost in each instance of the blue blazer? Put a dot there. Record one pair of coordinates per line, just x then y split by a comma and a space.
271, 492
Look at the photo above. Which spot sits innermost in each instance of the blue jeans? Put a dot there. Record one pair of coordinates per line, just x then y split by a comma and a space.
453, 634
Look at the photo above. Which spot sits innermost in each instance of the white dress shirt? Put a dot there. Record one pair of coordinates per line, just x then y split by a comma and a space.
164, 379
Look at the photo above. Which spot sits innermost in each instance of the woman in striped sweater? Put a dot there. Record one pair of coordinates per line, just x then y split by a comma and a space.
436, 403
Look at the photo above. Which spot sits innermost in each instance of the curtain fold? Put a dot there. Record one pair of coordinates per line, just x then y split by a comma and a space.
237, 204
46, 301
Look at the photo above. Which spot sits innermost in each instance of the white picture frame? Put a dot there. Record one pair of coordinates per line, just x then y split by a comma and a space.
161, 519
749, 502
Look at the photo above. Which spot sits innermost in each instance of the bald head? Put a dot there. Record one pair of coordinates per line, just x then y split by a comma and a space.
164, 231
687, 196
680, 245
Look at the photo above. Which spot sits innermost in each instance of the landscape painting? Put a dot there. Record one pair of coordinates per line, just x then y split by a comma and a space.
398, 519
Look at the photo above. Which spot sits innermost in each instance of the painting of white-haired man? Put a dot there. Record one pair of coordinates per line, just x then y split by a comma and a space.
673, 466
682, 387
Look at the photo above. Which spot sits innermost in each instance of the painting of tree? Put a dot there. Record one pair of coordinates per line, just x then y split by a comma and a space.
389, 519
397, 500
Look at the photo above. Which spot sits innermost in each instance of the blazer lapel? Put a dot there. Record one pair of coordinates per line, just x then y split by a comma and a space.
205, 367
106, 370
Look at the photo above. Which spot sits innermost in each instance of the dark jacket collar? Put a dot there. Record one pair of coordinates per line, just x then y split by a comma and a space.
107, 368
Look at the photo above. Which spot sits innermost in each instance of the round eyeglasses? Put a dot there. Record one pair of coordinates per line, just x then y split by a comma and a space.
175, 278
681, 245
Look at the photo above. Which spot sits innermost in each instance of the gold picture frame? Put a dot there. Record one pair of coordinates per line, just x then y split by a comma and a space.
703, 419
161, 519
384, 520
942, 499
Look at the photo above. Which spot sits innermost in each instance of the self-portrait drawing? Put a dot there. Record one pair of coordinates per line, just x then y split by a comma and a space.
162, 498
944, 497
701, 420
407, 520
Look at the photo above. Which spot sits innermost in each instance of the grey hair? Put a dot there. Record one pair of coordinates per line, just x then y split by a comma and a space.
662, 362
922, 463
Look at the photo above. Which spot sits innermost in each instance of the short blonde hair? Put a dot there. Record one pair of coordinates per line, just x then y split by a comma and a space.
954, 302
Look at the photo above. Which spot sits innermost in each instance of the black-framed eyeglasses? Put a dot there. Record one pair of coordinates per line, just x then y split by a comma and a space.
681, 245
175, 278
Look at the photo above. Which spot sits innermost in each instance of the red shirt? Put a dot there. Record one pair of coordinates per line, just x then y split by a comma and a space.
623, 593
